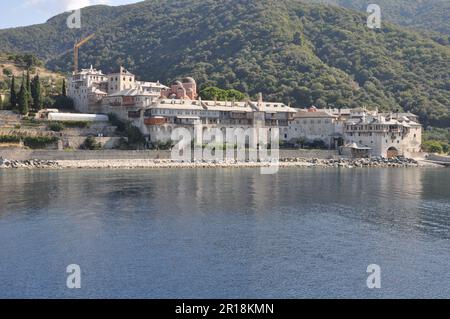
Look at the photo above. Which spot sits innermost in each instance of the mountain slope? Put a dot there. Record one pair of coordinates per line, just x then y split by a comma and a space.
52, 38
289, 50
15, 65
421, 15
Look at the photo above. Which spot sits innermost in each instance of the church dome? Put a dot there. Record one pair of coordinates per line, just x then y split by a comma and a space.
189, 80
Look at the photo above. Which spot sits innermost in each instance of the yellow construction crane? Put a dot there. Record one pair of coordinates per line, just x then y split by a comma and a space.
76, 47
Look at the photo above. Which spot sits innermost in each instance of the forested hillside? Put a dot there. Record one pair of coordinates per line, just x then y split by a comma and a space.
53, 38
421, 15
289, 50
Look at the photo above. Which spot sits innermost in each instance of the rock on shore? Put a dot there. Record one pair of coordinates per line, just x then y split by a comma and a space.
360, 162
168, 163
28, 164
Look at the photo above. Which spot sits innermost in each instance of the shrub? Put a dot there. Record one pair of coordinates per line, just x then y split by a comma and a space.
36, 142
115, 121
9, 139
286, 145
311, 144
167, 145
432, 147
48, 102
56, 127
90, 143
318, 144
134, 135
7, 72
445, 147
298, 142
122, 144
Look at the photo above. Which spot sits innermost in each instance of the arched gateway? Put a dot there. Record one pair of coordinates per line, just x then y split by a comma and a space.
392, 152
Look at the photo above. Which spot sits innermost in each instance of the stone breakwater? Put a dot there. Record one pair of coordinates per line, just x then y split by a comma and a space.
28, 164
167, 163
362, 162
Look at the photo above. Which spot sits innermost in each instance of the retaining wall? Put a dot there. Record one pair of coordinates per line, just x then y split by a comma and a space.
439, 158
24, 154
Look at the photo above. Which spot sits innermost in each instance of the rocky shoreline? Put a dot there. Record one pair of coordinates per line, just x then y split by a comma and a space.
360, 162
28, 164
167, 163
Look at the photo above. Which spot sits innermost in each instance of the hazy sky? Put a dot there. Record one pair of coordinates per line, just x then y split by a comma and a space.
15, 13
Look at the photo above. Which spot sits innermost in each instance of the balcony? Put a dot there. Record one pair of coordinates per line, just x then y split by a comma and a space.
157, 120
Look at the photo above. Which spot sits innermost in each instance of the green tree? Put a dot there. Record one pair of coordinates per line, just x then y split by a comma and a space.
28, 87
433, 147
13, 94
23, 98
235, 95
90, 143
445, 147
63, 102
134, 135
212, 92
298, 40
63, 90
56, 126
215, 93
36, 92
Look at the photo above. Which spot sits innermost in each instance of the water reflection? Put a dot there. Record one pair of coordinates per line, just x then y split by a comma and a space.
224, 233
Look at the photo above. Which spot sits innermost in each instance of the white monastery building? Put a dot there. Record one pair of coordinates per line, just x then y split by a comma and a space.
157, 110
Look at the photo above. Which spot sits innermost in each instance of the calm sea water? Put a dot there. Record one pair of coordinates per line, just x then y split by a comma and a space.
229, 233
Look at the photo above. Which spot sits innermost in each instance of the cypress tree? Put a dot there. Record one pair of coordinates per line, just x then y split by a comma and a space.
36, 93
28, 87
23, 98
33, 88
13, 94
63, 91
